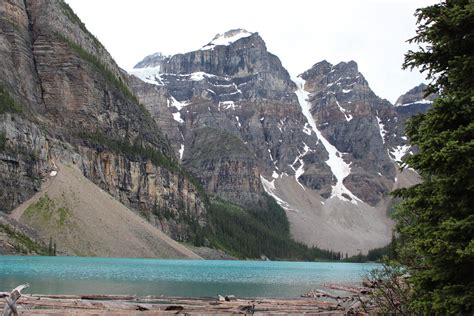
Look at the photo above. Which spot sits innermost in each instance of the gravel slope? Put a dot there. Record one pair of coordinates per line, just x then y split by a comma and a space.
84, 220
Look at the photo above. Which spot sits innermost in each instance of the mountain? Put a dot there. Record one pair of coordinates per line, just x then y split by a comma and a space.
322, 143
64, 101
218, 147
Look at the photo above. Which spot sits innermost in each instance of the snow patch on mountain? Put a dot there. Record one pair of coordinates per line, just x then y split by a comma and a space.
424, 101
336, 163
148, 74
178, 105
398, 152
382, 130
269, 187
227, 38
226, 105
344, 111
199, 75
300, 170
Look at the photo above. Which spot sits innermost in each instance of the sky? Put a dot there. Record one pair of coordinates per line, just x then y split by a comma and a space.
300, 32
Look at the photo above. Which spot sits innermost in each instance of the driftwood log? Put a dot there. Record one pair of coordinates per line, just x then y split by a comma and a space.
11, 299
103, 305
315, 302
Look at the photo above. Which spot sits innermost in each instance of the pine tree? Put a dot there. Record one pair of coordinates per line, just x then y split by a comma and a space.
435, 219
50, 246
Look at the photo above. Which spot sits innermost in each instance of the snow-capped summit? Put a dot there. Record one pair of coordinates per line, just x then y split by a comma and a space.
227, 38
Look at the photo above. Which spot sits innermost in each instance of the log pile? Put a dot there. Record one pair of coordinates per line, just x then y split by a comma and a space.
353, 300
315, 302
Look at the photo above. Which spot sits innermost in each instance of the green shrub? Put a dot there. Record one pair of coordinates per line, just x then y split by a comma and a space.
3, 141
101, 68
22, 243
7, 103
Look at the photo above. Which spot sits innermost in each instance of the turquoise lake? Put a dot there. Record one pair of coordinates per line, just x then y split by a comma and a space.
203, 278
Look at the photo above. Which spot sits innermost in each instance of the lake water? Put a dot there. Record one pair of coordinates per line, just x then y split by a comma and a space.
80, 275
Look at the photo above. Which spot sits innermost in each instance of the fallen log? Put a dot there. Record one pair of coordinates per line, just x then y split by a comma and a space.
11, 299
52, 305
350, 289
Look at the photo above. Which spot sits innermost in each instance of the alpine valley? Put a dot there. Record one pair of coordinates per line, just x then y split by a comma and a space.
212, 153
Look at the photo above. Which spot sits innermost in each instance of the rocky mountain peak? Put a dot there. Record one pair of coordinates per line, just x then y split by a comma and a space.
227, 38
413, 102
326, 68
349, 68
152, 60
417, 95
342, 77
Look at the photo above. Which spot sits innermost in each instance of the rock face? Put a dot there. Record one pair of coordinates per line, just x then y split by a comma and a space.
360, 125
64, 99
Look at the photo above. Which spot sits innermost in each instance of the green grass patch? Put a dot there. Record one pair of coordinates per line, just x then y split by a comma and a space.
63, 215
7, 103
44, 209
47, 212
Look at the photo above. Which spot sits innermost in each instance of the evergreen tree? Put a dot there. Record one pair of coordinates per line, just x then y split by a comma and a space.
50, 246
435, 220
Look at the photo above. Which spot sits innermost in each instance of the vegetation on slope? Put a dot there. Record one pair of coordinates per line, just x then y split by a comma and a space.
3, 141
47, 212
66, 9
7, 103
138, 150
252, 233
100, 67
22, 243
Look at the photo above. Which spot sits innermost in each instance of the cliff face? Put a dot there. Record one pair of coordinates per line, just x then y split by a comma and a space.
359, 124
65, 100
